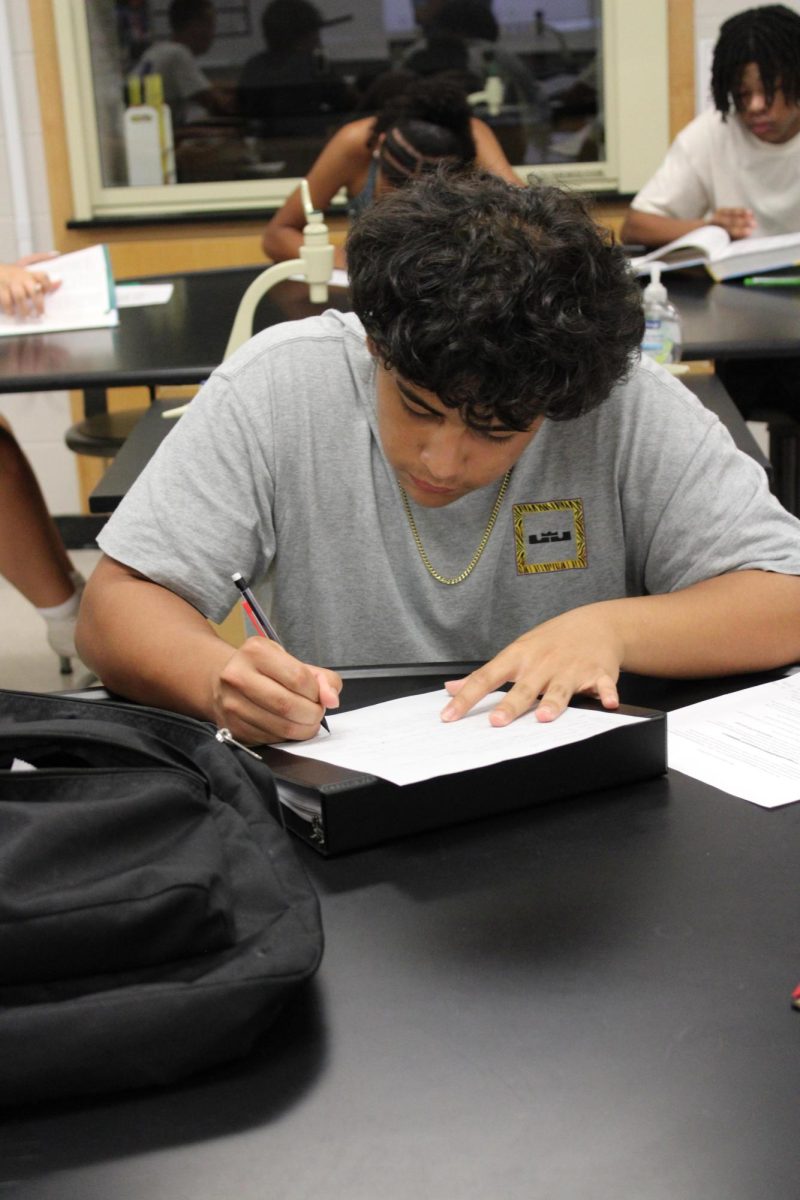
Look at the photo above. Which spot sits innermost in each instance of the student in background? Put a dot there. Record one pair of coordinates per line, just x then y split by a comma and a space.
188, 91
428, 123
462, 36
472, 465
292, 76
736, 165
32, 555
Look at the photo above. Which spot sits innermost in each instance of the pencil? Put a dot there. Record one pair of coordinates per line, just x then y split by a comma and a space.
259, 618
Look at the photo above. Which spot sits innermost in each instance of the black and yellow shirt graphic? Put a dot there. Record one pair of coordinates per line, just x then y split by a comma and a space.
549, 535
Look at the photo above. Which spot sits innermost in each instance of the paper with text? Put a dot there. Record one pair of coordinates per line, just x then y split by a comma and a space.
338, 279
405, 740
85, 299
746, 743
139, 295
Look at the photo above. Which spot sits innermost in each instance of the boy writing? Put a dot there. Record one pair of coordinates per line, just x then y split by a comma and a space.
474, 465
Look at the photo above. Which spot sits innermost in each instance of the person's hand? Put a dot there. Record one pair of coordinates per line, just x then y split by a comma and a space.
263, 694
22, 291
578, 651
739, 222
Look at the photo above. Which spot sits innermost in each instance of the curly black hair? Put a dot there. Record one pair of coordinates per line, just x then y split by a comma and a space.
506, 302
769, 37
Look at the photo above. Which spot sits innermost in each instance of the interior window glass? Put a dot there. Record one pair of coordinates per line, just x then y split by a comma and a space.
254, 89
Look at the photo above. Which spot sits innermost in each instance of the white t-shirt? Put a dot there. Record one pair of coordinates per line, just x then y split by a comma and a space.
181, 78
719, 164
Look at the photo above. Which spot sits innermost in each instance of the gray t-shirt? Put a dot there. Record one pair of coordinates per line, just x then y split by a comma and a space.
277, 471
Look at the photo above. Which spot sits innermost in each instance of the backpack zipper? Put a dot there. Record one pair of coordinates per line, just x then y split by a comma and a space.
225, 735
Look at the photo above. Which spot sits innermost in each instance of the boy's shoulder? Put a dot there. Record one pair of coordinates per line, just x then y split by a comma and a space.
651, 391
321, 334
707, 130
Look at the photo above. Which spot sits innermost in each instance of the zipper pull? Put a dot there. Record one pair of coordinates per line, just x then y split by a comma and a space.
225, 735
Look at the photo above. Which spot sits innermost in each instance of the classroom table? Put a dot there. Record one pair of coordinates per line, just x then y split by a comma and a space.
585, 1000
730, 321
181, 342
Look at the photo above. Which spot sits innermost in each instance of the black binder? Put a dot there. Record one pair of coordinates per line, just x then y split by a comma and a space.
336, 810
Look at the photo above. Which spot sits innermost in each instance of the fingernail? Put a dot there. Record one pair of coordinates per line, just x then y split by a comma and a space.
448, 713
500, 717
543, 713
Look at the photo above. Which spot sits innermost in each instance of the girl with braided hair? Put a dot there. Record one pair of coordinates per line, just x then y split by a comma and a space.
426, 124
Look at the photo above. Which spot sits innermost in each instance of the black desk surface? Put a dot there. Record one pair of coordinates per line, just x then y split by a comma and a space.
583, 1001
179, 342
729, 320
182, 341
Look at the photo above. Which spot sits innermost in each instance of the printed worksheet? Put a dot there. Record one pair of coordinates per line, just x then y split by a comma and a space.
405, 740
746, 743
85, 299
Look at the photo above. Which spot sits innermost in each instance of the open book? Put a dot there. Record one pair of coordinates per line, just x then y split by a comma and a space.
85, 300
710, 246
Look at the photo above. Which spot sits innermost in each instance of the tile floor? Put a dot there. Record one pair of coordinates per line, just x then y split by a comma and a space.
26, 661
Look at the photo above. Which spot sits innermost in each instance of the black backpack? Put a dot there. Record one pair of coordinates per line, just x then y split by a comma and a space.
153, 915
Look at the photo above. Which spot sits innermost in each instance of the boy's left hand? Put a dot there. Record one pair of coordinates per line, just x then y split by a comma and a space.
576, 652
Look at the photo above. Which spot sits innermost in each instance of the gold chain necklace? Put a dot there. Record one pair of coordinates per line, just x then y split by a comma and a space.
481, 545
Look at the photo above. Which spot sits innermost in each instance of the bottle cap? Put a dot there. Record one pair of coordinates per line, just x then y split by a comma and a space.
655, 290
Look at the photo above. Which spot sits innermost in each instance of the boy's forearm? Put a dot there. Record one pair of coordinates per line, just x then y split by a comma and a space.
147, 644
742, 621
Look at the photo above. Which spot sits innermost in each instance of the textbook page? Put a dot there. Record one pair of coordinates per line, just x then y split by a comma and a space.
750, 255
746, 743
85, 299
405, 740
692, 249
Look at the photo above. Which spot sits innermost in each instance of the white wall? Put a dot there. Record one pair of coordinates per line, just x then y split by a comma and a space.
39, 419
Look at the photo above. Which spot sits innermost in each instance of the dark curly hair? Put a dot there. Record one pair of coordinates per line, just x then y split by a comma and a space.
506, 302
769, 37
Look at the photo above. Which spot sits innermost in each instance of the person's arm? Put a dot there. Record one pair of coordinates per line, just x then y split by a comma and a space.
344, 159
489, 155
651, 229
218, 100
148, 644
22, 291
742, 621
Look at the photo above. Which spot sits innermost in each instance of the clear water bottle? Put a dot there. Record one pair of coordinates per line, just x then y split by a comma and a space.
663, 338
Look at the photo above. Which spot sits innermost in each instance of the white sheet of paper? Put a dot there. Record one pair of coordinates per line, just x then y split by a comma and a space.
85, 299
746, 743
405, 740
338, 278
138, 295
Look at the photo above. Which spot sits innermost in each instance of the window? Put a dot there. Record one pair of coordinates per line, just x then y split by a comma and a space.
584, 91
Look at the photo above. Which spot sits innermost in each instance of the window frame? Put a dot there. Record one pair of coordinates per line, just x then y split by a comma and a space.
635, 64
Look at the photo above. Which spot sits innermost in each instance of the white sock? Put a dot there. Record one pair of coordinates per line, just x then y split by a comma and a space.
58, 612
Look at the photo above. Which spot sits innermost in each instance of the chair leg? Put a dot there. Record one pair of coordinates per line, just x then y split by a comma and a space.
64, 665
